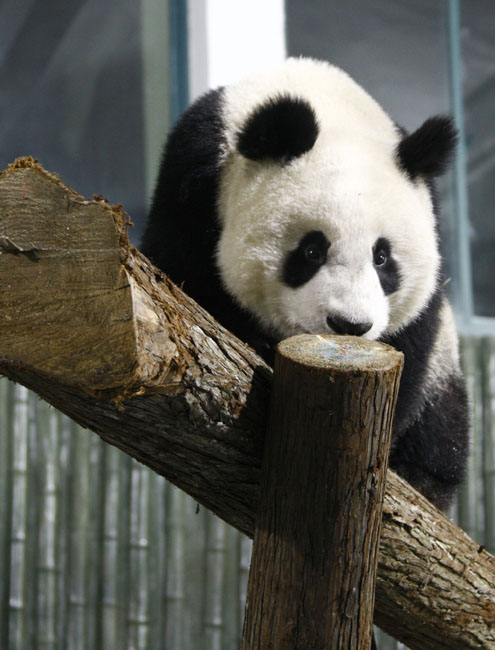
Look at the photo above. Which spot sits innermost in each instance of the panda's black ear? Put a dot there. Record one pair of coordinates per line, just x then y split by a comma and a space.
280, 129
427, 151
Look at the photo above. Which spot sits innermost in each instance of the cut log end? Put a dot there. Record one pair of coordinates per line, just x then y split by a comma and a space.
340, 352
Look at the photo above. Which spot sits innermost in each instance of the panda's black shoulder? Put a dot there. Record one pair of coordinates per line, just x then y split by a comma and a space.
416, 341
182, 231
182, 218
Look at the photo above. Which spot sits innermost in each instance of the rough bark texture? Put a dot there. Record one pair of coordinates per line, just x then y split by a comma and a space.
312, 579
443, 583
94, 329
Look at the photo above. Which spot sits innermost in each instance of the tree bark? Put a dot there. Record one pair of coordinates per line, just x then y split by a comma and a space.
91, 326
315, 552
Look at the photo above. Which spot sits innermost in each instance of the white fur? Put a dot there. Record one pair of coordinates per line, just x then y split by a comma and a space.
348, 186
444, 359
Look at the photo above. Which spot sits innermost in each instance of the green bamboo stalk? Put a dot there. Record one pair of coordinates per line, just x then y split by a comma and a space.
194, 522
241, 571
47, 574
95, 542
123, 559
139, 622
6, 490
215, 567
58, 560
35, 479
18, 622
469, 494
174, 561
65, 514
156, 565
111, 550
79, 463
231, 588
246, 552
488, 370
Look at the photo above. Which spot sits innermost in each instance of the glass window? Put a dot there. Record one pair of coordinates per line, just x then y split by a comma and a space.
395, 50
478, 55
414, 57
79, 85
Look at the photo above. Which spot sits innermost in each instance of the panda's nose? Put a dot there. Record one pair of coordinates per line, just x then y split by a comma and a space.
342, 326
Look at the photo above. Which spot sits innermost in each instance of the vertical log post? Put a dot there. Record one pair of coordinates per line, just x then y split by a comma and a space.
312, 578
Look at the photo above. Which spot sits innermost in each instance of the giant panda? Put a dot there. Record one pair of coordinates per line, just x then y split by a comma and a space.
290, 202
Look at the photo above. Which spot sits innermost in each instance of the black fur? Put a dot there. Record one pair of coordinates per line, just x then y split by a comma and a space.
182, 229
427, 151
182, 226
429, 442
281, 129
431, 453
416, 341
299, 266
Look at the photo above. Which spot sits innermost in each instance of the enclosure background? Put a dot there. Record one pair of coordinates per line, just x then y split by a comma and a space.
95, 550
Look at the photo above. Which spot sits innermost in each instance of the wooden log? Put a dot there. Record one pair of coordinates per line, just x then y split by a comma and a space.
157, 377
94, 329
315, 551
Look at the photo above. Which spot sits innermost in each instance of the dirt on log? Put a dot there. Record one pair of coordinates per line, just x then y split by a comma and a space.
90, 325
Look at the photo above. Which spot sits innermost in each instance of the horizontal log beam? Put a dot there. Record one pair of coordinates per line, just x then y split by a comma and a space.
91, 326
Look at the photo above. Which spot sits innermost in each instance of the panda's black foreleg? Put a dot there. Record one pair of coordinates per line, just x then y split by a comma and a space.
431, 453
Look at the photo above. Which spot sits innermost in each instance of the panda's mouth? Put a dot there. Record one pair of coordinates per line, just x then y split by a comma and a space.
294, 330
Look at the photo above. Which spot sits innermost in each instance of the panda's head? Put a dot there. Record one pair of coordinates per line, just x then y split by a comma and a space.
327, 221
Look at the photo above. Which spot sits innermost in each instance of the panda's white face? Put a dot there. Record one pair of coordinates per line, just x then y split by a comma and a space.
337, 239
309, 244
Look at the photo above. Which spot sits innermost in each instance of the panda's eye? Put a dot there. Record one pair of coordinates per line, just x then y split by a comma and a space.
313, 247
314, 253
381, 252
386, 266
380, 257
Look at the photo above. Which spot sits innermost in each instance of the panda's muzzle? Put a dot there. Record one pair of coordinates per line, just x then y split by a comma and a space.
343, 326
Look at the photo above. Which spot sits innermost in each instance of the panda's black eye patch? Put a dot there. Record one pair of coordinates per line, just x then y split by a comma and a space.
302, 263
386, 267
